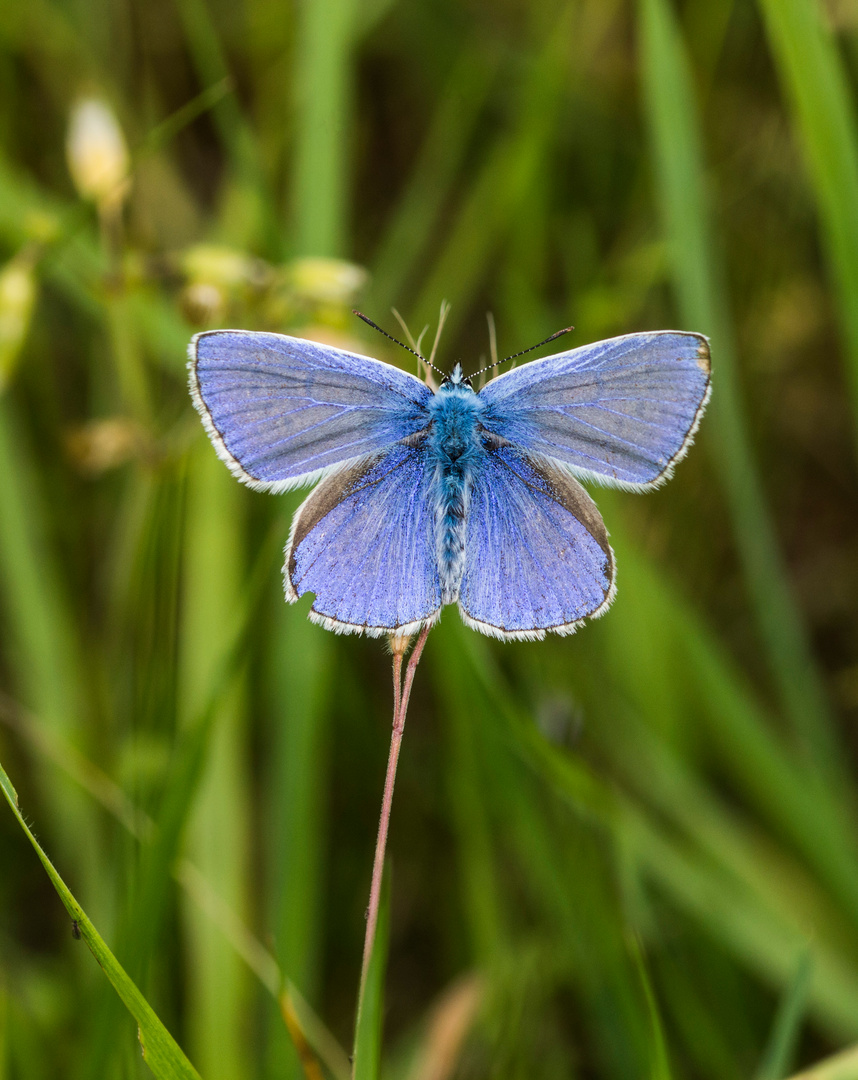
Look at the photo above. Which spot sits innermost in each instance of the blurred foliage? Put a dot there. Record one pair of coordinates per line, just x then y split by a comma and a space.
631, 853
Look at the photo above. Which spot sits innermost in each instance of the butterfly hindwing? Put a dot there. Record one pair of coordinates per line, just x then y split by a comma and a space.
281, 411
363, 542
537, 555
620, 411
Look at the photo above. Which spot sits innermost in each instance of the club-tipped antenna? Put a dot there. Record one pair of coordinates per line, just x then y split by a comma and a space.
402, 345
538, 345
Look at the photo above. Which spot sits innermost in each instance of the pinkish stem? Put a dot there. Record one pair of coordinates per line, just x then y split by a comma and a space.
401, 694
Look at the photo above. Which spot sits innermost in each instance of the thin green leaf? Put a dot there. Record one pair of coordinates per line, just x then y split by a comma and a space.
660, 1063
218, 836
160, 1050
300, 677
323, 95
698, 280
812, 71
780, 1051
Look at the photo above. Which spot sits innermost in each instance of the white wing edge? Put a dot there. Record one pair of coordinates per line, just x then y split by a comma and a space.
274, 487
666, 473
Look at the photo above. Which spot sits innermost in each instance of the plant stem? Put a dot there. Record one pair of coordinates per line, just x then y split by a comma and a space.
401, 694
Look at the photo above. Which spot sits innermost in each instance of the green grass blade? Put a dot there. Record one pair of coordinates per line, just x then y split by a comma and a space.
250, 217
470, 756
322, 102
40, 633
160, 1051
743, 737
812, 71
370, 1010
300, 677
698, 281
218, 833
764, 936
418, 215
187, 770
37, 611
514, 161
660, 1062
779, 1054
102, 790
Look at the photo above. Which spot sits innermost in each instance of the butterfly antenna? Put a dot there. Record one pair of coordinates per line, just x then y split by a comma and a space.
538, 345
375, 326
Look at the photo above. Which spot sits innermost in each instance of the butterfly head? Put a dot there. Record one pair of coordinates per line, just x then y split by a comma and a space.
456, 378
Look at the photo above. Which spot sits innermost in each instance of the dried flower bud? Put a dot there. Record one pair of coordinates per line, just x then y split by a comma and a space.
203, 303
99, 445
17, 297
96, 152
327, 280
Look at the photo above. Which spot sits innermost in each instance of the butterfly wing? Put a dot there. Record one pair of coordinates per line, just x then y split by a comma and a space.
282, 411
621, 411
363, 542
537, 555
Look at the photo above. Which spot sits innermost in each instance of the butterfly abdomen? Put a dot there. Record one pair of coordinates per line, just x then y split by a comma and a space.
456, 451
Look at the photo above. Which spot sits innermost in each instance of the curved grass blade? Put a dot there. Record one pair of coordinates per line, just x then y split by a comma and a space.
160, 1050
509, 170
812, 70
102, 789
763, 936
417, 217
660, 1062
702, 299
780, 1051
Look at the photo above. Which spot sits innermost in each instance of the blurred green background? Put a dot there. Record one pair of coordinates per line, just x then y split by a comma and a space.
629, 853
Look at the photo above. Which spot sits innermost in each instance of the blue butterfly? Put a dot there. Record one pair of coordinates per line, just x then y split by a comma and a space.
454, 496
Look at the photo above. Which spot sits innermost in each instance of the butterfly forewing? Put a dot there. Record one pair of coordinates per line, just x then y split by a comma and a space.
281, 410
621, 411
537, 555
